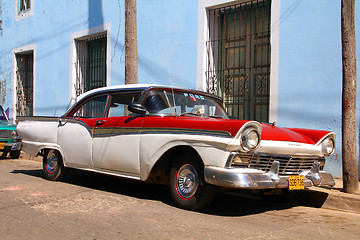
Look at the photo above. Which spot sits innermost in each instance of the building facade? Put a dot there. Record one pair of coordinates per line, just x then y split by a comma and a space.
270, 60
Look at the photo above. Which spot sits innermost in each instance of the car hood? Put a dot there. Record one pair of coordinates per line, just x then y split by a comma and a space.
273, 133
269, 132
4, 125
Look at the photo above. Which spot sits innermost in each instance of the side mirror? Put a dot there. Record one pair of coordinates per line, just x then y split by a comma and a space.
137, 108
7, 113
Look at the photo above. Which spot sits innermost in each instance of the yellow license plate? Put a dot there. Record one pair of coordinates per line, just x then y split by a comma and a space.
296, 183
2, 145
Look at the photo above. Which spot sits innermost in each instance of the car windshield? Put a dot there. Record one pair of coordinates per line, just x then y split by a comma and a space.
181, 103
3, 116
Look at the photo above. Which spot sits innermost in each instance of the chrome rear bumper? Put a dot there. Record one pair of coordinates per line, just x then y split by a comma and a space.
14, 146
245, 178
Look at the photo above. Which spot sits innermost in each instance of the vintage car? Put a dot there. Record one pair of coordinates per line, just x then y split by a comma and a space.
9, 141
178, 137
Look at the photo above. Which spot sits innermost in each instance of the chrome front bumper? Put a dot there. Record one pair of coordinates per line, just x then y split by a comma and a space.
245, 178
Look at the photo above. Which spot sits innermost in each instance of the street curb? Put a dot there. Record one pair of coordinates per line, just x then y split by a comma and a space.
328, 198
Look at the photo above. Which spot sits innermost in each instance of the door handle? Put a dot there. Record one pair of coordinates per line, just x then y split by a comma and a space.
100, 122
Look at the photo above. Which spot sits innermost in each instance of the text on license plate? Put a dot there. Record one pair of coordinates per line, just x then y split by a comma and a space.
296, 182
2, 145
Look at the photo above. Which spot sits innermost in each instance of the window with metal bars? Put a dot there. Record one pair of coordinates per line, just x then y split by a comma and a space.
24, 5
91, 63
24, 83
238, 58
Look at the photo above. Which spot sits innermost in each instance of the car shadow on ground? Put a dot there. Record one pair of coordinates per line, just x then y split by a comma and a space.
225, 203
33, 172
239, 204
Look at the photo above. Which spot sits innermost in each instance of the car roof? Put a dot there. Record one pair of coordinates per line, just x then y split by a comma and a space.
117, 87
139, 87
134, 87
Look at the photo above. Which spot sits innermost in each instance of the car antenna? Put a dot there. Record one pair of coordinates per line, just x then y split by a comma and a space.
172, 90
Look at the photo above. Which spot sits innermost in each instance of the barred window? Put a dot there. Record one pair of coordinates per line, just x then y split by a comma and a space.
90, 63
238, 58
24, 5
24, 83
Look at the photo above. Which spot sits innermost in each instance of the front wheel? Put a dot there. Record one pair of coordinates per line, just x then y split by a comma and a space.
15, 154
53, 166
187, 185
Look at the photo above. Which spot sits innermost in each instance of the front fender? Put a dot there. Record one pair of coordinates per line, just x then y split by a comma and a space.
210, 149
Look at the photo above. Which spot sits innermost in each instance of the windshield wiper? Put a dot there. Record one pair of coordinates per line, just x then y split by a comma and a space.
188, 113
214, 116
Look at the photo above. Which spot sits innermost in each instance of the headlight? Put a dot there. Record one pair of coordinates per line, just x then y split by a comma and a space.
250, 139
328, 146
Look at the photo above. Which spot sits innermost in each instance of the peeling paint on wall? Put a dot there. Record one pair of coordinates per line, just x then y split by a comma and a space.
1, 21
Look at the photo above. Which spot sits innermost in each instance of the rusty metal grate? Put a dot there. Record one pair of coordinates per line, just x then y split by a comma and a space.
238, 58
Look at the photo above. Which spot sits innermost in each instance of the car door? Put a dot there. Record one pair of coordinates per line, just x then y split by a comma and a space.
116, 138
75, 133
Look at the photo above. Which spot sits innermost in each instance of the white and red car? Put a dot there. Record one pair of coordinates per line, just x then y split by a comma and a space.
179, 137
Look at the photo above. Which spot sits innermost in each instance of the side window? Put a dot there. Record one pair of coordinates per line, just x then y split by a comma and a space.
94, 108
119, 103
160, 102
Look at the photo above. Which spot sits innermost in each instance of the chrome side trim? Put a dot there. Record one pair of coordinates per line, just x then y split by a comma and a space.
37, 118
115, 131
106, 171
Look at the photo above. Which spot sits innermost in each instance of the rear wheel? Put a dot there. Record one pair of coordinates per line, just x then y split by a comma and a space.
53, 166
187, 185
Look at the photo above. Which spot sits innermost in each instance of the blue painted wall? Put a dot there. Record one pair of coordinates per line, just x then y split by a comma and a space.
167, 34
310, 68
167, 42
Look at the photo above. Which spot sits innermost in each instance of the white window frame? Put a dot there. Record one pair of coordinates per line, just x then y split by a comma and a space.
23, 14
22, 50
88, 33
204, 6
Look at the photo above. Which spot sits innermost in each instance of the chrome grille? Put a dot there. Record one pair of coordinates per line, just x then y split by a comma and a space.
5, 134
289, 165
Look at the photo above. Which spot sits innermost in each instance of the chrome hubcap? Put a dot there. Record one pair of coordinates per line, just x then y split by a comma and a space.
187, 181
51, 161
